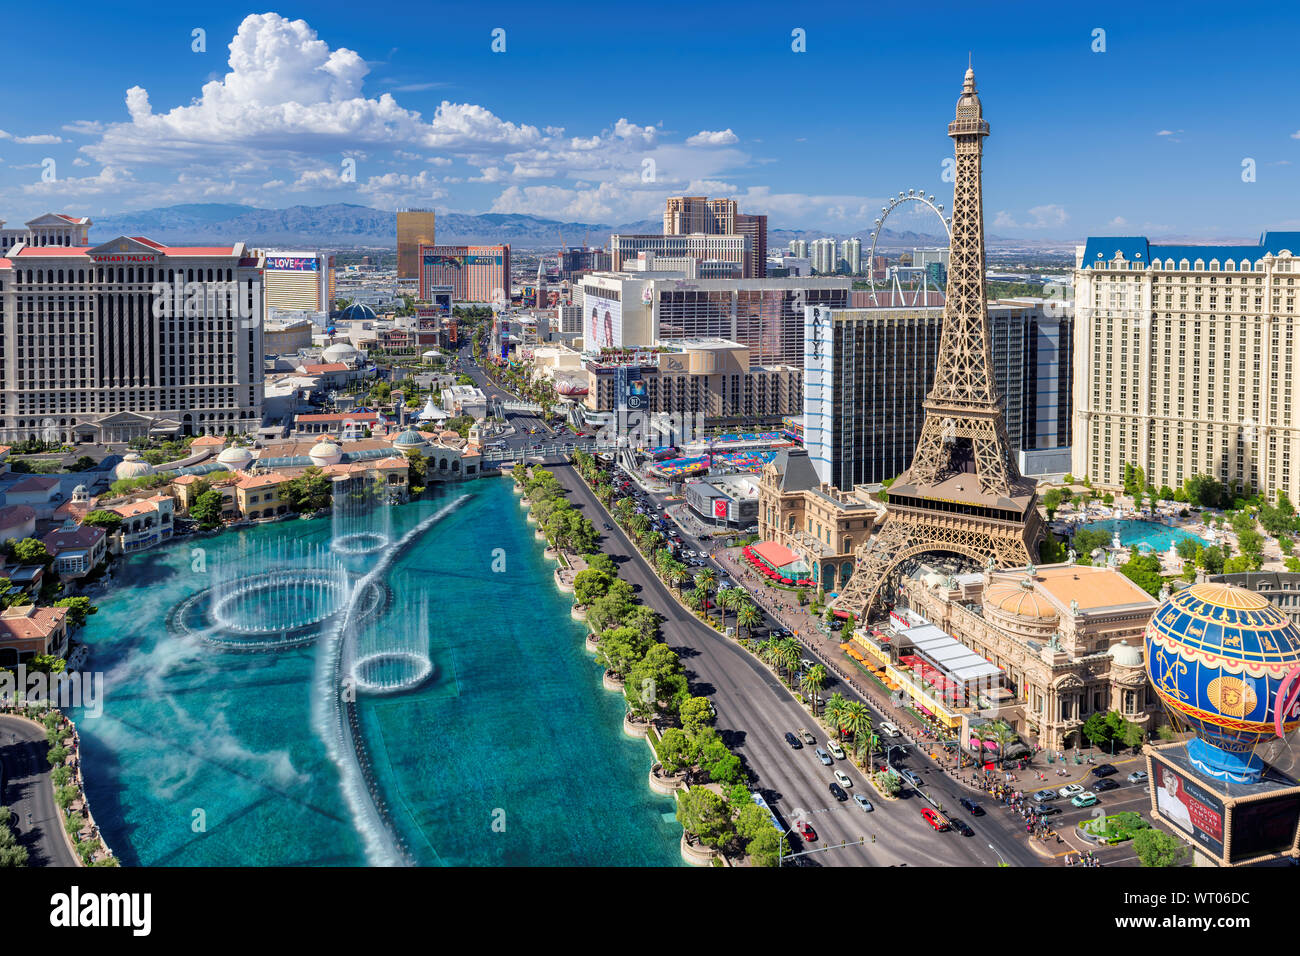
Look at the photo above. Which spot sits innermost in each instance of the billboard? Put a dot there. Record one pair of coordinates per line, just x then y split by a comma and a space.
459, 262
292, 263
636, 391
1262, 827
1187, 806
604, 321
720, 508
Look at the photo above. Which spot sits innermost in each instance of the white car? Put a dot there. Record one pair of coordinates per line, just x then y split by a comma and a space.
1070, 790
836, 750
842, 779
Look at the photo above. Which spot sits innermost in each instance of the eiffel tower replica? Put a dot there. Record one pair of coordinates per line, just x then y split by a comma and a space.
963, 493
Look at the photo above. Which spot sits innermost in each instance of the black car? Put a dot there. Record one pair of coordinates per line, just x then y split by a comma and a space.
1101, 786
838, 792
608, 526
971, 807
1045, 810
1105, 770
794, 742
962, 827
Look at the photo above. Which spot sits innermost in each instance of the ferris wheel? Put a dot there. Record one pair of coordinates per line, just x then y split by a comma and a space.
919, 296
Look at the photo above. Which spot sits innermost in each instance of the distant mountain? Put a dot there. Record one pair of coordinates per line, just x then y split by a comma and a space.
350, 226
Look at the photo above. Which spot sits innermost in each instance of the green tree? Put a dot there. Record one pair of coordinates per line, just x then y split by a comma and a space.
1212, 559
705, 815
1144, 571
590, 584
1186, 548
696, 714
1157, 848
79, 608
677, 751
110, 521
206, 509
767, 848
601, 562
657, 678
1096, 729
31, 551
1088, 540
813, 683
749, 617
310, 491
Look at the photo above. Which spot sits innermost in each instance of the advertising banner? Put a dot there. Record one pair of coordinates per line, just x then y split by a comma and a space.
291, 264
720, 508
1189, 807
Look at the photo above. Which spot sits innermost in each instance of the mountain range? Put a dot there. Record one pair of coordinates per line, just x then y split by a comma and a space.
351, 226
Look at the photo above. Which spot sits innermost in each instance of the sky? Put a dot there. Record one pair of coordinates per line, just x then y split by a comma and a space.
1106, 119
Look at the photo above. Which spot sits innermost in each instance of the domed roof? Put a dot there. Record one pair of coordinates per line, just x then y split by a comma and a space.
1019, 598
340, 352
1217, 656
236, 456
132, 466
409, 439
1125, 654
359, 312
325, 453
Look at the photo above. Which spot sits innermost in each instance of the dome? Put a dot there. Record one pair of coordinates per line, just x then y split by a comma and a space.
1223, 660
358, 312
236, 457
1019, 598
132, 466
325, 453
1125, 654
340, 352
409, 439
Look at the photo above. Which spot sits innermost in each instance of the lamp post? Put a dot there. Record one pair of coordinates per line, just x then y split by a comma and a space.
999, 853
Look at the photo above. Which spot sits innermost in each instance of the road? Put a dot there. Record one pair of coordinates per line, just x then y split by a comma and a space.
755, 711
28, 790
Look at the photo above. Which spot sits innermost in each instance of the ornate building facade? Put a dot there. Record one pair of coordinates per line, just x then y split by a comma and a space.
818, 522
1067, 638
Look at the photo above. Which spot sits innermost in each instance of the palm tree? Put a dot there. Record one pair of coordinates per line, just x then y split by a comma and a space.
638, 525
1002, 735
769, 651
748, 616
707, 579
679, 574
835, 713
791, 653
813, 684
736, 598
857, 721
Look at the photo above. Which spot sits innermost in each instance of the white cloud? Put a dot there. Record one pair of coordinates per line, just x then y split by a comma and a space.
43, 139
1003, 220
724, 137
392, 190
288, 92
1119, 222
1040, 217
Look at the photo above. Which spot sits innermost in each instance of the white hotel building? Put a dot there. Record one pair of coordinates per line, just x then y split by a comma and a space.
92, 351
1185, 362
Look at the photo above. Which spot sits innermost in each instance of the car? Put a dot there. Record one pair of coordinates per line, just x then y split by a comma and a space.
971, 807
1085, 799
806, 664
863, 802
793, 741
1042, 796
842, 779
838, 792
807, 736
1137, 776
962, 827
1069, 790
806, 831
1104, 770
936, 819
836, 750
608, 526
1045, 810
910, 777
1101, 786
888, 729
824, 757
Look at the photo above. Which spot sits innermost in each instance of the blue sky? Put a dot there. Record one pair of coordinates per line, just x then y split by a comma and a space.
1147, 137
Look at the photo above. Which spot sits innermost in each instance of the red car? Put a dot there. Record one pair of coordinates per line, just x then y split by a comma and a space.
935, 819
807, 832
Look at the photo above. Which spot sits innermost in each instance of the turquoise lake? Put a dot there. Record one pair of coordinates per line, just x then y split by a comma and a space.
513, 753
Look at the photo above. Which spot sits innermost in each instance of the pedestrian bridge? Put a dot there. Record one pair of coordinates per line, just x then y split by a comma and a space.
521, 408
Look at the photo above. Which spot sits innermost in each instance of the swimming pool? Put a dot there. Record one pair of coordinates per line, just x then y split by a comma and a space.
1135, 531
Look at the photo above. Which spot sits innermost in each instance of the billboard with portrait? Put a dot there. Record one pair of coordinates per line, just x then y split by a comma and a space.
1188, 807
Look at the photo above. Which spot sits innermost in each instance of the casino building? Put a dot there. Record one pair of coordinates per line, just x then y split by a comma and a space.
474, 273
299, 281
129, 338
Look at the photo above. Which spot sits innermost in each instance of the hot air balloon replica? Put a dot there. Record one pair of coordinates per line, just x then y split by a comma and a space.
1225, 663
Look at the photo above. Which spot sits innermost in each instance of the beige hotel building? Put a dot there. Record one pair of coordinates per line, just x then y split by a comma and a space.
1184, 362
